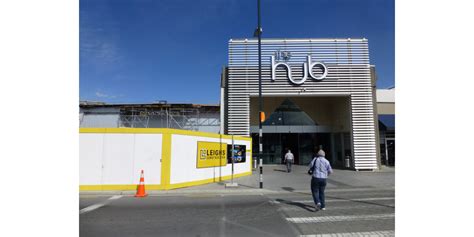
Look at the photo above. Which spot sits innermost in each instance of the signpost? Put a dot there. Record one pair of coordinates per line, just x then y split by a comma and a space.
232, 158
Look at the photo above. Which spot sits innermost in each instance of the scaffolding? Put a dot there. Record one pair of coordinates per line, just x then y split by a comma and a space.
168, 117
195, 117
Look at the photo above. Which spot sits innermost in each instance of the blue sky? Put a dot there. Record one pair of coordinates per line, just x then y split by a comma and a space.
139, 51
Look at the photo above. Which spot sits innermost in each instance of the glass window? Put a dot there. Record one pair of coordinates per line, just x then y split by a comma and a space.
288, 113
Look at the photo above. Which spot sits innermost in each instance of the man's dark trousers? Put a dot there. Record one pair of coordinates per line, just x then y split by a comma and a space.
288, 165
317, 189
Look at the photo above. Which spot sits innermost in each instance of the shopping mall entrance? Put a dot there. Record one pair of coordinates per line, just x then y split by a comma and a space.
305, 132
303, 146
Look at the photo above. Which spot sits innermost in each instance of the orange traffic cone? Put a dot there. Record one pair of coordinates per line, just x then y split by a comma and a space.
141, 187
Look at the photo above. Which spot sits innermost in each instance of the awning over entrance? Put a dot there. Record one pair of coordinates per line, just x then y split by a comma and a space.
388, 121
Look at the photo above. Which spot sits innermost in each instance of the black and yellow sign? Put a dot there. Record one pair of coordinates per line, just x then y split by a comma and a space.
211, 154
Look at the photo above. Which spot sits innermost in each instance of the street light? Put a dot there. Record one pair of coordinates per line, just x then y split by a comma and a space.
261, 115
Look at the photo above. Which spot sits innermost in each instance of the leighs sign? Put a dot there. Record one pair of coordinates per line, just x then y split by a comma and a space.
211, 154
307, 68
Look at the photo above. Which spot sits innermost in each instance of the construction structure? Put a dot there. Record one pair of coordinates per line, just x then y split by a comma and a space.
193, 117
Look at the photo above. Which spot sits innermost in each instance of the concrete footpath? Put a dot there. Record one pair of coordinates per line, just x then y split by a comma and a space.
277, 180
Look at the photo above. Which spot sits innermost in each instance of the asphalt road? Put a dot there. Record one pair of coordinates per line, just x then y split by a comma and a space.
190, 215
350, 211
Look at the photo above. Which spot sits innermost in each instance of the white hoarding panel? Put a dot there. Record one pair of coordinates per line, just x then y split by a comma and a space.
90, 158
148, 158
118, 159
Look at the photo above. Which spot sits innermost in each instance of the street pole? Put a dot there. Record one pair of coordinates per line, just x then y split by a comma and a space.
233, 147
260, 99
232, 157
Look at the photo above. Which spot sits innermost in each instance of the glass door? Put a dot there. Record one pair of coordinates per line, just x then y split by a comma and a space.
391, 152
306, 147
271, 148
289, 141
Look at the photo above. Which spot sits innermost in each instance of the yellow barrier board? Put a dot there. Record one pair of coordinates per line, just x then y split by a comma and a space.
211, 154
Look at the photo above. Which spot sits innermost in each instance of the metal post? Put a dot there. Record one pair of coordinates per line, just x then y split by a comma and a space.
232, 157
260, 104
261, 174
220, 157
167, 119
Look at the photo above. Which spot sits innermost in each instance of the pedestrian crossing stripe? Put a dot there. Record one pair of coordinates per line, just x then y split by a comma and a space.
387, 233
336, 200
320, 219
296, 208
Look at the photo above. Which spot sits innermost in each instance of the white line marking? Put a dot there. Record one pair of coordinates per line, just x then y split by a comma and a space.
98, 205
384, 233
336, 200
115, 197
295, 208
320, 219
347, 190
361, 199
91, 208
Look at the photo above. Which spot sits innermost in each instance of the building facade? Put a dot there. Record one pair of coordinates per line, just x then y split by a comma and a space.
317, 94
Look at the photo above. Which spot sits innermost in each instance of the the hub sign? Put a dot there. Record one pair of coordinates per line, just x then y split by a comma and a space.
307, 68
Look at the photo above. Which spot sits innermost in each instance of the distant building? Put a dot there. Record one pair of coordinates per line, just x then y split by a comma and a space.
386, 117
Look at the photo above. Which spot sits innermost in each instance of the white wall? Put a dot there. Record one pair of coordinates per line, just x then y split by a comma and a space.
90, 158
118, 158
101, 117
148, 157
108, 158
386, 95
184, 158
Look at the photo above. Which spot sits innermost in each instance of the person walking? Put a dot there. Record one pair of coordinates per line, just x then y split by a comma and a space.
319, 170
289, 159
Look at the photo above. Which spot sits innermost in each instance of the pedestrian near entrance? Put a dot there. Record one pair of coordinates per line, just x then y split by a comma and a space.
319, 170
289, 159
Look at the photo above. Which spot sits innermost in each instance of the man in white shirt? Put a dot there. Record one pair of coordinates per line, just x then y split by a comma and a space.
289, 159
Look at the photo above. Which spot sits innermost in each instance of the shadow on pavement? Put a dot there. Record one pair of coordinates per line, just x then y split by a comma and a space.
358, 201
247, 186
285, 171
297, 204
289, 189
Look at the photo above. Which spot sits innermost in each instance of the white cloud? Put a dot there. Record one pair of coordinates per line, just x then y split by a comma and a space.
102, 95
